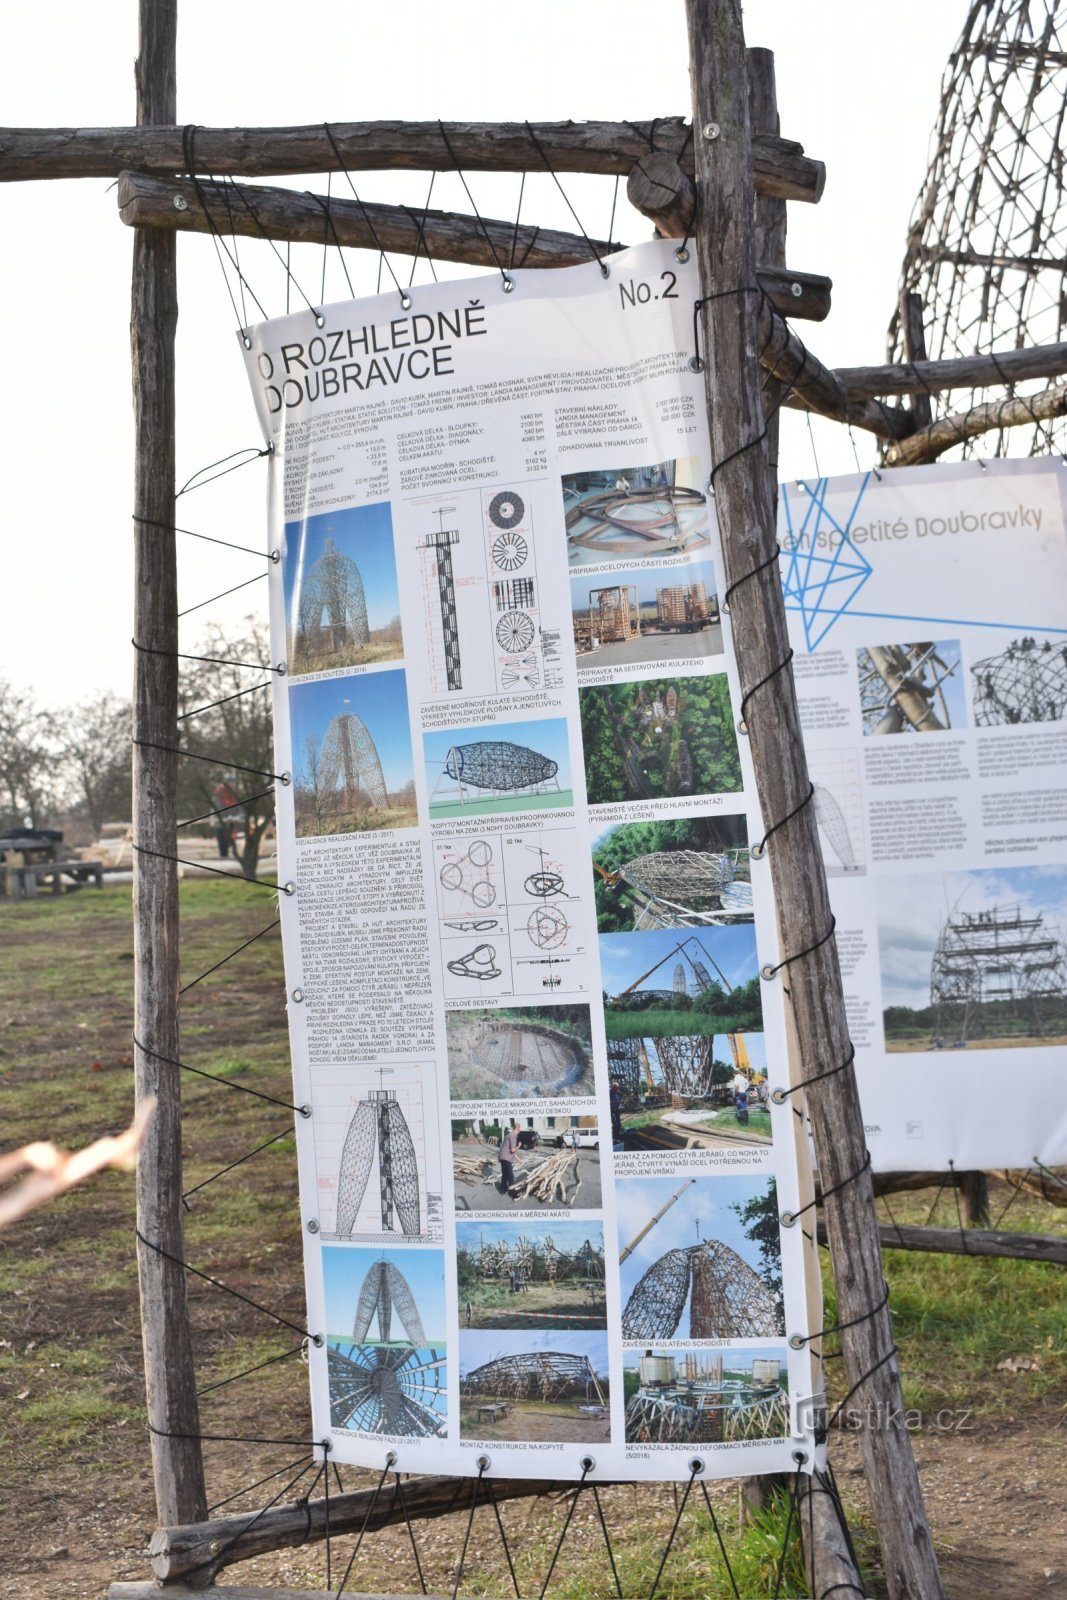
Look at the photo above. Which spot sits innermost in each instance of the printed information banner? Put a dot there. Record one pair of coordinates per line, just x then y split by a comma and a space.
542, 1177
928, 610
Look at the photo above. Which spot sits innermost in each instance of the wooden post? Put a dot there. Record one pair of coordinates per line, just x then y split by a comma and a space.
915, 350
974, 1199
177, 1465
746, 507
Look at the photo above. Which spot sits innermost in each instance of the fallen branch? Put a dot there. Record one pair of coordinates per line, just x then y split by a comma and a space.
53, 1171
1049, 1247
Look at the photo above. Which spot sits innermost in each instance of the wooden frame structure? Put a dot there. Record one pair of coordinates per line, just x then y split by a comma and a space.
726, 179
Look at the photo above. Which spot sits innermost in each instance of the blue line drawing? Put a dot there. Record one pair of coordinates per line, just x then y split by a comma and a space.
823, 588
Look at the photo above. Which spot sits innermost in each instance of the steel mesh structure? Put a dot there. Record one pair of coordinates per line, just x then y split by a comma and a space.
1005, 962
626, 1059
686, 889
379, 1130
707, 1413
687, 1061
398, 1390
728, 1300
332, 610
1027, 682
498, 767
350, 763
534, 1375
987, 245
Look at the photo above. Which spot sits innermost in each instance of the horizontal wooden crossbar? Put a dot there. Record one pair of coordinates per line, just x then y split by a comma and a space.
780, 167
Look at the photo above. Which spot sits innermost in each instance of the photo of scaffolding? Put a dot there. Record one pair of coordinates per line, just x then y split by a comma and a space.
706, 1397
642, 615
530, 1274
691, 1092
557, 1166
660, 986
911, 688
702, 1258
352, 754
684, 873
659, 739
386, 1352
342, 608
980, 965
537, 1386
635, 511
1025, 682
516, 1053
515, 766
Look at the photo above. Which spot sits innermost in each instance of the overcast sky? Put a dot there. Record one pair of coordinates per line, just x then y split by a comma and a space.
856, 84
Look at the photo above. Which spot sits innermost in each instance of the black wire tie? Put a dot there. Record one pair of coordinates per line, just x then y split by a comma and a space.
768, 971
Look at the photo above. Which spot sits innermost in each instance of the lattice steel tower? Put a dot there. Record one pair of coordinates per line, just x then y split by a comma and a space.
379, 1128
332, 613
440, 542
987, 246
350, 762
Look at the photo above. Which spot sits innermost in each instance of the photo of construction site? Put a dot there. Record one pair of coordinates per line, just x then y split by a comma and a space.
386, 1351
537, 1386
512, 1053
692, 872
1024, 682
706, 1397
655, 509
659, 739
701, 1258
645, 614
977, 962
342, 608
691, 1092
530, 1274
515, 766
659, 985
352, 754
911, 688
557, 1166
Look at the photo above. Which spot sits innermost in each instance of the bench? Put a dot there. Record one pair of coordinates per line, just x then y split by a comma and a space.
491, 1413
23, 882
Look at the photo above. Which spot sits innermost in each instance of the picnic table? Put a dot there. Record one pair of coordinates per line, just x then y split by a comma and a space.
30, 858
490, 1413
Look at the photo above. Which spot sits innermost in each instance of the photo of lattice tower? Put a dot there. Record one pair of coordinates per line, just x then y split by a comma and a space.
686, 1061
998, 964
614, 615
679, 984
832, 825
350, 765
543, 1375
378, 1134
728, 1300
383, 1291
988, 235
686, 889
440, 542
682, 604
395, 1390
332, 614
1027, 682
628, 1067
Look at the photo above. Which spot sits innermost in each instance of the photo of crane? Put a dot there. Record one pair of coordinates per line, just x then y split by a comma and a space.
642, 615
660, 985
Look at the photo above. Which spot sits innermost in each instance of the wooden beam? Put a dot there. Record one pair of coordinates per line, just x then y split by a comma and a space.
204, 1547
150, 1590
961, 425
915, 351
170, 1385
780, 166
961, 372
259, 211
1051, 1247
746, 507
828, 1560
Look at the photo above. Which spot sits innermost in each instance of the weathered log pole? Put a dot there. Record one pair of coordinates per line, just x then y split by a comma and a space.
746, 506
170, 1385
828, 1560
259, 211
179, 1591
204, 1548
780, 166
915, 350
969, 1241
957, 372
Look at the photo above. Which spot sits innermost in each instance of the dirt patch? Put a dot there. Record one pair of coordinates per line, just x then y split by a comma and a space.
556, 1424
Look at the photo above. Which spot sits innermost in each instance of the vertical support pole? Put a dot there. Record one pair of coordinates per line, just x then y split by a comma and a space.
746, 508
173, 1414
915, 350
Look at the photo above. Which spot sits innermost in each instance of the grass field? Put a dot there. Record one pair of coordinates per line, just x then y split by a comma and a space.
76, 1505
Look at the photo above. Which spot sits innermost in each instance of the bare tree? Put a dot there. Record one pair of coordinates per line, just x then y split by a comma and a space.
232, 726
27, 763
93, 744
311, 781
